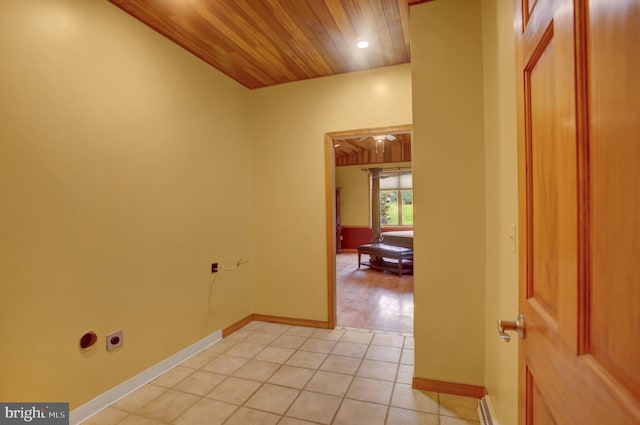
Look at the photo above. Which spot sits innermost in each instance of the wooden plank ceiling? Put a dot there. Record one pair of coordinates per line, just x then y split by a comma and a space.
373, 149
260, 43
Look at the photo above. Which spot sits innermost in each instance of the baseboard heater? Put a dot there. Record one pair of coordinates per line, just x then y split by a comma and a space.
485, 412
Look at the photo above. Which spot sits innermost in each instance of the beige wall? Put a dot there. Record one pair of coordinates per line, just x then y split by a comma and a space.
458, 325
354, 197
449, 191
117, 150
128, 166
289, 233
501, 367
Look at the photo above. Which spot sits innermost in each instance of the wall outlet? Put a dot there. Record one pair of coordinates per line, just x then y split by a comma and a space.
214, 267
115, 340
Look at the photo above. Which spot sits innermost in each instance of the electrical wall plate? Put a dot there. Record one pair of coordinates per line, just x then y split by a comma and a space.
115, 340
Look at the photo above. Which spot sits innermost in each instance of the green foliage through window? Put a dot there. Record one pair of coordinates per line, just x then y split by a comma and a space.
396, 199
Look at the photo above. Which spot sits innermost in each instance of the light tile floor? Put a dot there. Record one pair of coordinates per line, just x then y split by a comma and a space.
269, 373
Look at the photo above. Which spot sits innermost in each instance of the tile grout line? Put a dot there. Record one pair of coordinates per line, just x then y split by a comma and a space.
281, 332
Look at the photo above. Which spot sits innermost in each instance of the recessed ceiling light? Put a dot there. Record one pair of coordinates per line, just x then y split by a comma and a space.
362, 44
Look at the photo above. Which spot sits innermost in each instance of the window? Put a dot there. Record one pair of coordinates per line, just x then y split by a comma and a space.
396, 198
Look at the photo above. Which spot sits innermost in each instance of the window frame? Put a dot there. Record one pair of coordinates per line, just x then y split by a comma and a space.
398, 190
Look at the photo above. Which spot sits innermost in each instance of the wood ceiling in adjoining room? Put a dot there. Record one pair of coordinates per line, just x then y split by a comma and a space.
261, 43
366, 150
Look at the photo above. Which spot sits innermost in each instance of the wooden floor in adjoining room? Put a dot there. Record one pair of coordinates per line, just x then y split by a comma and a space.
372, 299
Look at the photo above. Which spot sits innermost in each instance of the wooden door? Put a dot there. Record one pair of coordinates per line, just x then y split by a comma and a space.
578, 65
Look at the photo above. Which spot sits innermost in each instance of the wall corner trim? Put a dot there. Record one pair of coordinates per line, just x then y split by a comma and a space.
274, 319
109, 397
466, 390
237, 326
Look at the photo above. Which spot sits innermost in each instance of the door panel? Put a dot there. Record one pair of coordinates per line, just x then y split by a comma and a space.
548, 178
542, 190
615, 188
579, 210
539, 414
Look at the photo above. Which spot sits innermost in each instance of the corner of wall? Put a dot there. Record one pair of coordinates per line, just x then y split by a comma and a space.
449, 191
501, 296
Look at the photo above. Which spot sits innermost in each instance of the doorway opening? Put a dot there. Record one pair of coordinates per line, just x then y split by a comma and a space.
360, 295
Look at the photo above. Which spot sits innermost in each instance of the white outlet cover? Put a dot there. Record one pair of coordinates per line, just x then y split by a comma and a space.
115, 340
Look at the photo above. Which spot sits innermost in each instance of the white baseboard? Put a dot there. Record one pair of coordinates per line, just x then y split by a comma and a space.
486, 414
107, 398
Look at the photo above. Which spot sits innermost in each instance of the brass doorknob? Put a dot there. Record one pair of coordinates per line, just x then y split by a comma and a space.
508, 325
